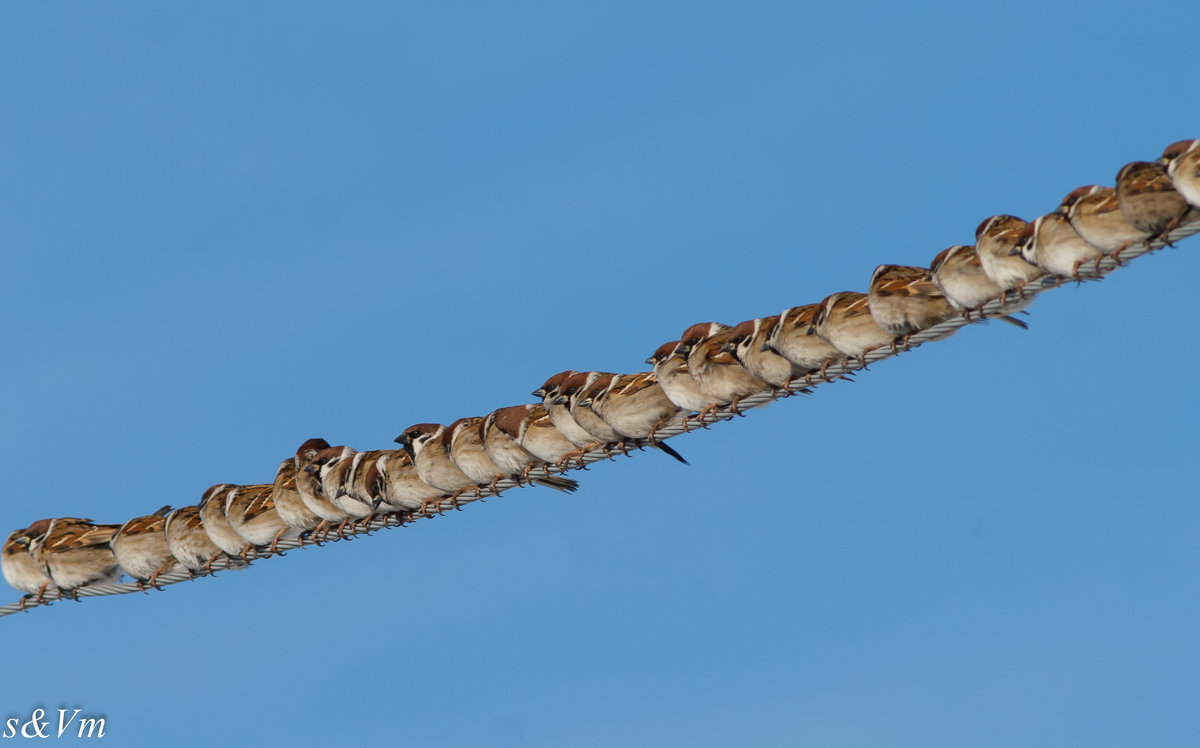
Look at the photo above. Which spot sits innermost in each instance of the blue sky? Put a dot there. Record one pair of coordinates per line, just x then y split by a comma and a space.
228, 229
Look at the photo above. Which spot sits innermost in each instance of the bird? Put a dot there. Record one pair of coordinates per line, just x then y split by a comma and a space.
537, 434
1182, 160
958, 273
505, 452
722, 380
571, 392
426, 445
560, 413
403, 488
212, 514
996, 245
188, 540
364, 481
635, 407
1051, 243
308, 485
288, 504
1148, 199
331, 465
795, 339
671, 370
74, 553
140, 546
844, 319
748, 345
251, 512
1096, 214
469, 452
18, 565
903, 299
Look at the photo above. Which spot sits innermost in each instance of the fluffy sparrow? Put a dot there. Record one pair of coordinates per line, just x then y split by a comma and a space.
1182, 160
958, 274
635, 407
795, 339
572, 391
560, 413
464, 441
844, 319
540, 437
140, 546
188, 541
332, 465
1051, 243
308, 485
403, 489
497, 433
252, 513
722, 379
364, 479
212, 514
291, 508
74, 553
671, 370
1148, 199
426, 444
1095, 213
748, 345
903, 299
18, 566
995, 242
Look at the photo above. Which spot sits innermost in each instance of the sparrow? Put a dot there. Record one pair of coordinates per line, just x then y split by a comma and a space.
571, 392
958, 274
140, 546
364, 479
1095, 213
748, 345
74, 553
18, 565
212, 514
903, 299
308, 485
671, 370
291, 508
188, 540
251, 512
995, 240
722, 379
795, 339
1182, 160
1051, 243
426, 445
403, 489
464, 441
1148, 199
560, 414
844, 319
539, 436
635, 407
331, 465
497, 433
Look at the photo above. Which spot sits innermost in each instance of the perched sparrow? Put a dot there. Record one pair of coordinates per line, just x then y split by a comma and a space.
252, 513
539, 436
426, 444
188, 541
560, 413
212, 514
571, 392
995, 242
722, 379
748, 345
403, 488
74, 553
795, 339
18, 566
308, 485
958, 273
635, 407
1182, 160
291, 508
844, 319
903, 299
141, 547
1051, 243
1148, 199
332, 465
1095, 213
496, 432
671, 370
364, 479
464, 441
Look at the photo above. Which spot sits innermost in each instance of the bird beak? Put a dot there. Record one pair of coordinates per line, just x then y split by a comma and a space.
539, 392
728, 347
766, 347
649, 361
811, 330
560, 400
586, 402
375, 502
310, 469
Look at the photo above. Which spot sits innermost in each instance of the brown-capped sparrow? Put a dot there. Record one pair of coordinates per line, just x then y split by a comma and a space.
252, 514
904, 299
291, 508
403, 489
671, 370
514, 461
212, 514
795, 339
722, 380
958, 273
1149, 200
538, 434
1182, 160
560, 413
364, 479
18, 565
748, 345
426, 444
844, 319
74, 552
996, 245
308, 485
1094, 212
331, 466
1051, 243
188, 540
571, 392
635, 407
140, 546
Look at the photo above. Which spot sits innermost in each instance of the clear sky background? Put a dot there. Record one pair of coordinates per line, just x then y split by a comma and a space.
227, 228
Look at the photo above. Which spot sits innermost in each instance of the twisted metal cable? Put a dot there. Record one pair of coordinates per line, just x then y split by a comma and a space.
831, 373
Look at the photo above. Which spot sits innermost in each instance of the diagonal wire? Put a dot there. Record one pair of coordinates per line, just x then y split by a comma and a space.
996, 307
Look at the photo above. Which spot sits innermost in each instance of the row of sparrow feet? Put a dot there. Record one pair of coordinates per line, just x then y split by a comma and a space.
328, 490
